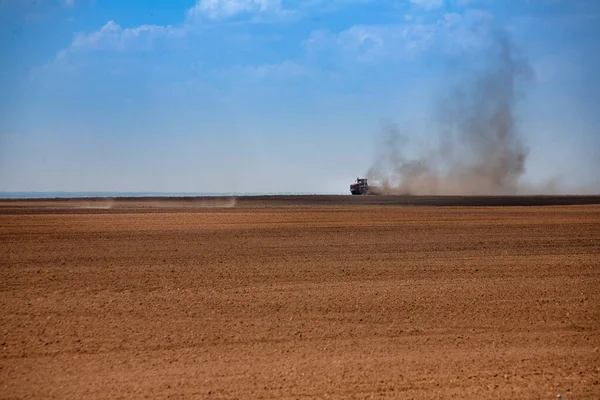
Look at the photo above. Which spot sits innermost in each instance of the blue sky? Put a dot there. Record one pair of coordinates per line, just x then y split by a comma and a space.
273, 95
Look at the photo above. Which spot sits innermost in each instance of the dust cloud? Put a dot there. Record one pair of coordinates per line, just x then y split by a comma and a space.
205, 202
103, 204
478, 149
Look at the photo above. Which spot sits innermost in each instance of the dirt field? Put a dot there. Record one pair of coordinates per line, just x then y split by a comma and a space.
226, 299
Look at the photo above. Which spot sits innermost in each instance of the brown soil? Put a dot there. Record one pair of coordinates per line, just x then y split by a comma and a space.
299, 301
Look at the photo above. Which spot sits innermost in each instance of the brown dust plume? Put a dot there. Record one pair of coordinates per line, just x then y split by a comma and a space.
479, 149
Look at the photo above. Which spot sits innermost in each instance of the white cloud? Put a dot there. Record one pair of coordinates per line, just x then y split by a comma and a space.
450, 32
429, 4
370, 43
366, 41
113, 37
221, 9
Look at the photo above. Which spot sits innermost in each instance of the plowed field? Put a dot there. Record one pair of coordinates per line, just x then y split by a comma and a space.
314, 301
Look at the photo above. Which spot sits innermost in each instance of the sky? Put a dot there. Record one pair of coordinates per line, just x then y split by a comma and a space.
275, 95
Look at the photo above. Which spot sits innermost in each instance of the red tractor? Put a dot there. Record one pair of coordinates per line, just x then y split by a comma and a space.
360, 187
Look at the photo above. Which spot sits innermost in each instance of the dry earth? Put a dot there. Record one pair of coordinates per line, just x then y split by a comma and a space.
299, 301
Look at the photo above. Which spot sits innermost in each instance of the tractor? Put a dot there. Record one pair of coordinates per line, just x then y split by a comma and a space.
360, 187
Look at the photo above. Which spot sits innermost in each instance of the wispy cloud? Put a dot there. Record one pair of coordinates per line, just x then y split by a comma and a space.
217, 10
405, 39
363, 43
110, 38
372, 43
429, 4
113, 37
